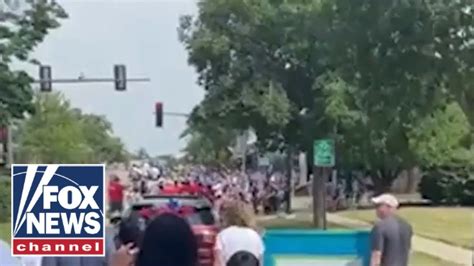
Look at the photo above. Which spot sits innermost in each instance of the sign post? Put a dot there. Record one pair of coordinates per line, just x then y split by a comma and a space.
323, 160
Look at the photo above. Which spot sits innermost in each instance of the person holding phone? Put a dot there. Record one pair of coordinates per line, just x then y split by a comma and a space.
168, 240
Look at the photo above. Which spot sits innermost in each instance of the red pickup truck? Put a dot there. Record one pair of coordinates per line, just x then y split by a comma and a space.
202, 220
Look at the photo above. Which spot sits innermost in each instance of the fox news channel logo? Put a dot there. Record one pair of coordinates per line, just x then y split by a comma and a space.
58, 210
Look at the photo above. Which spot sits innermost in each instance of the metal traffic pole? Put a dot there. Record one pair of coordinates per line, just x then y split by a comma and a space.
176, 114
46, 82
90, 80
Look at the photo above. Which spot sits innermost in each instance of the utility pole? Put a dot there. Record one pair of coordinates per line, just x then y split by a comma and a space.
323, 161
320, 177
289, 179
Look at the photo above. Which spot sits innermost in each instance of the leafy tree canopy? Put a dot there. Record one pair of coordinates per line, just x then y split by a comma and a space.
19, 35
363, 72
57, 133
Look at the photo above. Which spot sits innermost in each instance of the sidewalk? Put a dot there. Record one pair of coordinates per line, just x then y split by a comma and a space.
434, 248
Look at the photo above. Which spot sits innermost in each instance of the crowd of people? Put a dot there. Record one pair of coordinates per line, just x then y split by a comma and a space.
264, 191
168, 239
237, 198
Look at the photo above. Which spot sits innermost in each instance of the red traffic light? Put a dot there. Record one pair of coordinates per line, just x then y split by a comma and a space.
159, 114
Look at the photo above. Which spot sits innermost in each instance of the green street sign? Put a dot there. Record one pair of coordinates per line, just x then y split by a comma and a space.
324, 153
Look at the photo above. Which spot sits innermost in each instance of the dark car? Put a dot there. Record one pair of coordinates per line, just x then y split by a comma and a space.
202, 220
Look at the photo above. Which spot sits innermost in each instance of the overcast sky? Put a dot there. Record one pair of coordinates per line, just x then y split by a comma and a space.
142, 35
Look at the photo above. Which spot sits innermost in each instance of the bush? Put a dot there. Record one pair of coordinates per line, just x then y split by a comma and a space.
5, 189
448, 186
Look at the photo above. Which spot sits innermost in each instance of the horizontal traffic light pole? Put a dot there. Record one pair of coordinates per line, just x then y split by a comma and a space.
175, 114
90, 80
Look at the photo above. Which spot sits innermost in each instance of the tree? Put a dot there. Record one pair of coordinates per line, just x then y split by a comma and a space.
444, 145
406, 59
209, 145
142, 154
53, 134
265, 65
57, 133
444, 139
406, 55
99, 135
19, 35
363, 72
237, 66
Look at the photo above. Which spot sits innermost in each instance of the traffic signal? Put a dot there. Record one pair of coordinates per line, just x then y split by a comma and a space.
159, 114
45, 75
120, 76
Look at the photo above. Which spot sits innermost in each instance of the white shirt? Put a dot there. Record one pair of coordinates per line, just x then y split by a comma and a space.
234, 239
153, 187
154, 172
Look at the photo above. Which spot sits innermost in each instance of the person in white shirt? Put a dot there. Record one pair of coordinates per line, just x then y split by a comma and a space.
155, 172
238, 234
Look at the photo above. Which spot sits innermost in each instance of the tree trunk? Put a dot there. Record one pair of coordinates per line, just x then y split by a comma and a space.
465, 101
303, 166
383, 180
414, 178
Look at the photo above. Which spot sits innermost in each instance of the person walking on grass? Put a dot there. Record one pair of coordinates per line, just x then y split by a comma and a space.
391, 235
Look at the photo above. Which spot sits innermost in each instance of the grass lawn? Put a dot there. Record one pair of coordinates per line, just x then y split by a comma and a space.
422, 259
417, 258
450, 225
5, 231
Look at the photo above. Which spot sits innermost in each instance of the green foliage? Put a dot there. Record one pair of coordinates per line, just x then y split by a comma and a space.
364, 72
443, 139
57, 133
209, 146
406, 54
19, 36
245, 71
53, 134
99, 135
142, 154
5, 197
449, 185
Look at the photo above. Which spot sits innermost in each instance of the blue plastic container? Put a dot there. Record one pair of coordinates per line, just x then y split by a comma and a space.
288, 247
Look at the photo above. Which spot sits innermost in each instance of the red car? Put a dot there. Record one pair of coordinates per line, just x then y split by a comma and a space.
202, 220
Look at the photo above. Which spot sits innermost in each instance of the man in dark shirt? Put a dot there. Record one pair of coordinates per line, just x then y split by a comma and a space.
391, 235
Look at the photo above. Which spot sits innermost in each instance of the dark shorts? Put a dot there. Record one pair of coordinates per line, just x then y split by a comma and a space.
115, 206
